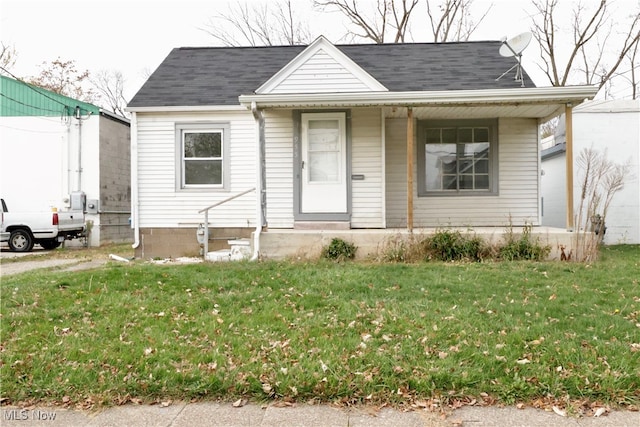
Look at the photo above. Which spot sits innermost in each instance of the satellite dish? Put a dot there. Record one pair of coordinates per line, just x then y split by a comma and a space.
513, 47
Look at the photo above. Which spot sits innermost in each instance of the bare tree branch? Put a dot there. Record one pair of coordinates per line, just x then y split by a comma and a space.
452, 20
634, 68
544, 32
581, 36
373, 27
110, 86
402, 19
8, 58
593, 44
275, 23
292, 28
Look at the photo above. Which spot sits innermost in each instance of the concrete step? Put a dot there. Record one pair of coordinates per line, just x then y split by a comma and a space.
219, 256
240, 250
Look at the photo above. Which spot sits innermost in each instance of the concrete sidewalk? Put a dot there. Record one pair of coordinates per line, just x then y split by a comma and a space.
300, 415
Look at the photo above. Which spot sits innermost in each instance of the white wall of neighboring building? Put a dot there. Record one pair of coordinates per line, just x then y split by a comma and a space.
553, 184
32, 151
40, 156
613, 128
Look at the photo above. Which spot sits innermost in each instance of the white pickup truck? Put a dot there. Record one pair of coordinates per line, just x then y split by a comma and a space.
49, 229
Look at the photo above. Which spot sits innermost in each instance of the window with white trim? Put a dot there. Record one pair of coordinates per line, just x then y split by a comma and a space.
203, 155
457, 157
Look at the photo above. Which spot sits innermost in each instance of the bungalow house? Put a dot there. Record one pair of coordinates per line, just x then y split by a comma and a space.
611, 128
294, 145
58, 151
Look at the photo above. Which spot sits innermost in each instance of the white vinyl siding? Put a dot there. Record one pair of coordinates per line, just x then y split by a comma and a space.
396, 172
279, 168
162, 204
517, 198
366, 159
321, 73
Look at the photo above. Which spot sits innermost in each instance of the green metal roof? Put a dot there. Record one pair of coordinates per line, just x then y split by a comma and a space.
19, 99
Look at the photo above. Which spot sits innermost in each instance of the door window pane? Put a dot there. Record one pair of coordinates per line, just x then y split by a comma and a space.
324, 151
323, 167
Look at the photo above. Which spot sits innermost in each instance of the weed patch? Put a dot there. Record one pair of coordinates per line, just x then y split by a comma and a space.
339, 250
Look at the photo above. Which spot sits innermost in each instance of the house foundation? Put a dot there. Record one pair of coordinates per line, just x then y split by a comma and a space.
278, 244
182, 242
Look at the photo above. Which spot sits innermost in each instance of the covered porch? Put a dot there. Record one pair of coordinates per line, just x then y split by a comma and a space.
509, 194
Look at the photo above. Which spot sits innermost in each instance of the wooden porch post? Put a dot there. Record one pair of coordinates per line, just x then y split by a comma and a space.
568, 111
410, 169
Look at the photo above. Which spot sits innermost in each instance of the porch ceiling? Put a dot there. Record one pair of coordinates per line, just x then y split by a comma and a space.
541, 111
542, 103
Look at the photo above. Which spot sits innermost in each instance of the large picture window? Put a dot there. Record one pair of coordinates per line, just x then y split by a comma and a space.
202, 153
457, 157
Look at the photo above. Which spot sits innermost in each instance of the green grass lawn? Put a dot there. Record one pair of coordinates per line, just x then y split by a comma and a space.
509, 332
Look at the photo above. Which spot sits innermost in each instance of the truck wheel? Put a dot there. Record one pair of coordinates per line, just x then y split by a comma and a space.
20, 241
49, 244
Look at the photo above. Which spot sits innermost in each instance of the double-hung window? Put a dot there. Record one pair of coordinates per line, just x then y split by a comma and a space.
457, 157
203, 155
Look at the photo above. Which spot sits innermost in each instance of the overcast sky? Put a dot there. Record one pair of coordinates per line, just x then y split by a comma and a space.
134, 36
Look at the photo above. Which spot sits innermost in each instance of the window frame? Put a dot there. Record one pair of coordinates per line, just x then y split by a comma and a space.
424, 125
209, 127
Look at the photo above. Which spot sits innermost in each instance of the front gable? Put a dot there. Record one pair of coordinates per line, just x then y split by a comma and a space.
321, 68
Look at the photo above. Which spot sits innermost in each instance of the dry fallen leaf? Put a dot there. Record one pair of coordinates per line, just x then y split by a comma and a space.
599, 412
559, 411
239, 403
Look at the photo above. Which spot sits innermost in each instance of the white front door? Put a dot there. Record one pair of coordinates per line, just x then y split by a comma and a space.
324, 163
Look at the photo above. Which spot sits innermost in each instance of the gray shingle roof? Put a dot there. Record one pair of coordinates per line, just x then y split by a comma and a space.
205, 76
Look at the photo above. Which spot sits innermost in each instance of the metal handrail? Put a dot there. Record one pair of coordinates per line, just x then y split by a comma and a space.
206, 216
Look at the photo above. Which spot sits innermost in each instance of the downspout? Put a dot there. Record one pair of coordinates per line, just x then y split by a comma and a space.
260, 178
134, 181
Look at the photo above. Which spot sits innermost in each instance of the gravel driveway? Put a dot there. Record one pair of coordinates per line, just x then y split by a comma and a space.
73, 265
22, 262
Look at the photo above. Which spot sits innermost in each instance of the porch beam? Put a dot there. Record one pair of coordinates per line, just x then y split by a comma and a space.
410, 140
568, 114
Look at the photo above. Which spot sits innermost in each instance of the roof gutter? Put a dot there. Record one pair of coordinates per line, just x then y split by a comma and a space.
515, 96
185, 108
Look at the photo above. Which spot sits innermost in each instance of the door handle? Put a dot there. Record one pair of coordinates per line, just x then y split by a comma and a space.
302, 164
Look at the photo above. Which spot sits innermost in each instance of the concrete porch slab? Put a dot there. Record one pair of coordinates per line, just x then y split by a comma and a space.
277, 244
